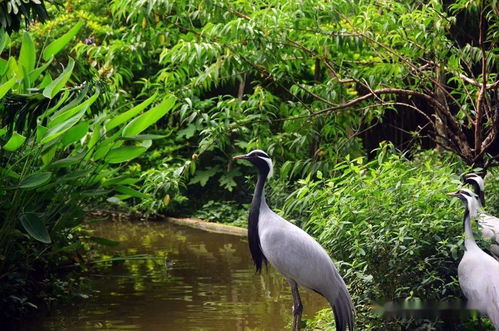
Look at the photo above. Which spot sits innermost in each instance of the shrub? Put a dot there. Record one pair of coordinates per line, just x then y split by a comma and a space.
56, 157
390, 226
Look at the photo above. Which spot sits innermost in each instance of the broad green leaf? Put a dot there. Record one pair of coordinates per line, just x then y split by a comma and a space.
122, 118
144, 137
63, 116
48, 156
35, 180
124, 153
104, 147
9, 173
5, 87
150, 117
203, 176
57, 84
57, 45
63, 99
27, 55
95, 136
34, 226
68, 161
130, 191
47, 79
73, 175
41, 131
15, 141
121, 180
104, 241
58, 130
4, 40
94, 192
4, 65
35, 73
3, 131
75, 133
14, 70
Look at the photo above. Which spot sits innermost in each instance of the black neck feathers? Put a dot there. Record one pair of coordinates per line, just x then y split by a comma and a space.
478, 191
253, 235
465, 218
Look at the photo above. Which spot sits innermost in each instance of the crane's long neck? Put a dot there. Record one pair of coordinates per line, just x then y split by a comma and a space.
253, 236
469, 239
481, 196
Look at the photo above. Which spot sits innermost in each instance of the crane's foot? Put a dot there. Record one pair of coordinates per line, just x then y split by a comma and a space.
297, 305
297, 310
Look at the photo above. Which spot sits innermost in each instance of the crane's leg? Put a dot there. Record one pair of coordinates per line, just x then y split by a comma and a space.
297, 305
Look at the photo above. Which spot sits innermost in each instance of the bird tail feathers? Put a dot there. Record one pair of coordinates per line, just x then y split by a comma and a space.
343, 310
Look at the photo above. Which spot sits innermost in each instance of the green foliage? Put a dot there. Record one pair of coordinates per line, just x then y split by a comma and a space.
227, 212
390, 226
56, 157
212, 79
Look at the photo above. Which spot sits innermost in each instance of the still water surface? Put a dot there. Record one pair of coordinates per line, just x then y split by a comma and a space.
200, 281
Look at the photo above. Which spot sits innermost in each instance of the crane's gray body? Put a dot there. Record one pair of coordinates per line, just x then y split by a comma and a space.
293, 253
489, 228
478, 272
296, 255
478, 275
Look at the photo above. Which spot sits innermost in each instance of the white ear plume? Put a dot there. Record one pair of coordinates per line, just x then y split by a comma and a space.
479, 180
472, 202
271, 167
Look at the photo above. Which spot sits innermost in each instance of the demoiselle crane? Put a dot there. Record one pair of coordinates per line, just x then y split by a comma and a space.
489, 225
478, 272
292, 252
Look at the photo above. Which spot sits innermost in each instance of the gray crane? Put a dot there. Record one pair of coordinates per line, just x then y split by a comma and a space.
478, 272
489, 225
292, 252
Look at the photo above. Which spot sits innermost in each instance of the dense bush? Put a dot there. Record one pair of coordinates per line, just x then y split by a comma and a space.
290, 76
56, 156
390, 226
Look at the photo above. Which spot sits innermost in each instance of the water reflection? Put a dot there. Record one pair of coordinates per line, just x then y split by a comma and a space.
200, 281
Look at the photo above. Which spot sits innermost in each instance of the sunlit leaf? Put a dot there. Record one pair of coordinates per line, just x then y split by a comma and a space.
124, 153
60, 116
27, 55
57, 45
14, 142
58, 130
122, 118
57, 84
75, 133
4, 40
5, 87
150, 117
34, 74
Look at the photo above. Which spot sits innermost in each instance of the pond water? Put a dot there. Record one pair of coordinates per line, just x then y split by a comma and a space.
198, 281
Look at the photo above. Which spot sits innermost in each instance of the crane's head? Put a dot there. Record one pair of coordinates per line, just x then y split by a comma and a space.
469, 199
478, 186
260, 159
